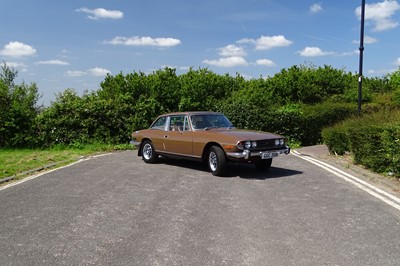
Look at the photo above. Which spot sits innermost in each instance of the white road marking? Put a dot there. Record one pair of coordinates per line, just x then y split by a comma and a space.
365, 186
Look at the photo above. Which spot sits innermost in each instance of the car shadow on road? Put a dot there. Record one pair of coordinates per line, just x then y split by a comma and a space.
183, 163
245, 171
250, 172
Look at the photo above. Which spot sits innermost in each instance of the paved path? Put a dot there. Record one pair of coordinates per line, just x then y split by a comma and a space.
116, 210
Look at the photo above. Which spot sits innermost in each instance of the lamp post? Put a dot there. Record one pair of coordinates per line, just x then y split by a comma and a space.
360, 72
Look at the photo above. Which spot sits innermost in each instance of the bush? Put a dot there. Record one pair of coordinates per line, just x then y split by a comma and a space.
298, 122
396, 97
391, 143
304, 123
336, 139
373, 139
242, 115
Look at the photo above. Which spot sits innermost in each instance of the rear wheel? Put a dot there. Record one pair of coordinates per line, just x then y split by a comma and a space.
264, 164
216, 161
149, 155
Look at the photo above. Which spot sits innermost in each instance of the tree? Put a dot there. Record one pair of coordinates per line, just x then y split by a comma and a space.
394, 79
394, 82
203, 90
18, 109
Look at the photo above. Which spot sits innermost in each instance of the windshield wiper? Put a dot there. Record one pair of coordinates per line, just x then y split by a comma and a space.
231, 126
207, 128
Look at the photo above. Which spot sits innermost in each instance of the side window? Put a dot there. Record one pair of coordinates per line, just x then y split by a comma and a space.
159, 123
179, 123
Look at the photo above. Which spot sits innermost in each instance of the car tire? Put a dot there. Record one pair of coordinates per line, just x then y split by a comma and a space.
216, 161
264, 164
149, 155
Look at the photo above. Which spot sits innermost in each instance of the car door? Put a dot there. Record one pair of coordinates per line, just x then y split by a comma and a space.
179, 137
157, 132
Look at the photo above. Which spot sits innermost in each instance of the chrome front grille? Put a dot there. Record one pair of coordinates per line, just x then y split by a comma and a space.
266, 144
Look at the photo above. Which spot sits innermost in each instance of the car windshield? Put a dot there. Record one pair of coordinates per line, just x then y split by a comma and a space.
208, 121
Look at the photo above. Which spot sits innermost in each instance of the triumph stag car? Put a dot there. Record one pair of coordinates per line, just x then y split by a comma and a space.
209, 137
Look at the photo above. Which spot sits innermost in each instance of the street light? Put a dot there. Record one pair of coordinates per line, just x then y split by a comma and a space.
360, 72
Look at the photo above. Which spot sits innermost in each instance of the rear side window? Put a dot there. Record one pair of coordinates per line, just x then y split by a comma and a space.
179, 123
160, 123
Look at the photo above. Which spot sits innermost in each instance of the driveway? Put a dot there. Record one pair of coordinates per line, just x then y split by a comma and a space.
117, 210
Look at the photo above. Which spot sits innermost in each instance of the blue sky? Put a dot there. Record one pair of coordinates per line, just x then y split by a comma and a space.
74, 44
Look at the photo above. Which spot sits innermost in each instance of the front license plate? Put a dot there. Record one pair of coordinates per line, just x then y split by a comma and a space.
268, 155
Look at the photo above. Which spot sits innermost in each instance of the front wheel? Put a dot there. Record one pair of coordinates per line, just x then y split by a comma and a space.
149, 155
217, 161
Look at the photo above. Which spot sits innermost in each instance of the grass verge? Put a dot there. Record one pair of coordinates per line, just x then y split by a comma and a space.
13, 162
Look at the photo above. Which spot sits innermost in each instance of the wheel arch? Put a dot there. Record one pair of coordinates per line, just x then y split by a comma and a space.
207, 149
141, 144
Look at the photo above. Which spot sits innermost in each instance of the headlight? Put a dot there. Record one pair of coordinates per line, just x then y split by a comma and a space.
247, 144
279, 142
240, 145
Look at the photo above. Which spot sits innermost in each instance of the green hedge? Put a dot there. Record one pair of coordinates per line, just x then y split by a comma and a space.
374, 141
296, 102
298, 122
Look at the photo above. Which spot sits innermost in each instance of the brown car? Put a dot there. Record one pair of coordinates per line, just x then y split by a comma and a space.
209, 137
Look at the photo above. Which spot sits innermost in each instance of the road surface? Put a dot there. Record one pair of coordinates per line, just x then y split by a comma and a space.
117, 210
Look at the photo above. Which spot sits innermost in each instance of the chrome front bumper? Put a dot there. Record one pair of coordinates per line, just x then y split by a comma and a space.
246, 154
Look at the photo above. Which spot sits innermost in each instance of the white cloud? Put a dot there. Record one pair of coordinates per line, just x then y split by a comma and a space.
246, 76
16, 64
144, 41
184, 68
96, 71
20, 66
227, 61
354, 52
367, 40
379, 72
371, 71
397, 62
268, 42
265, 62
52, 62
313, 52
381, 14
316, 8
64, 54
75, 73
17, 49
101, 13
247, 40
232, 50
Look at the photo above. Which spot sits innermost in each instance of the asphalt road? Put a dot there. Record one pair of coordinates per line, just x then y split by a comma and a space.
117, 210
